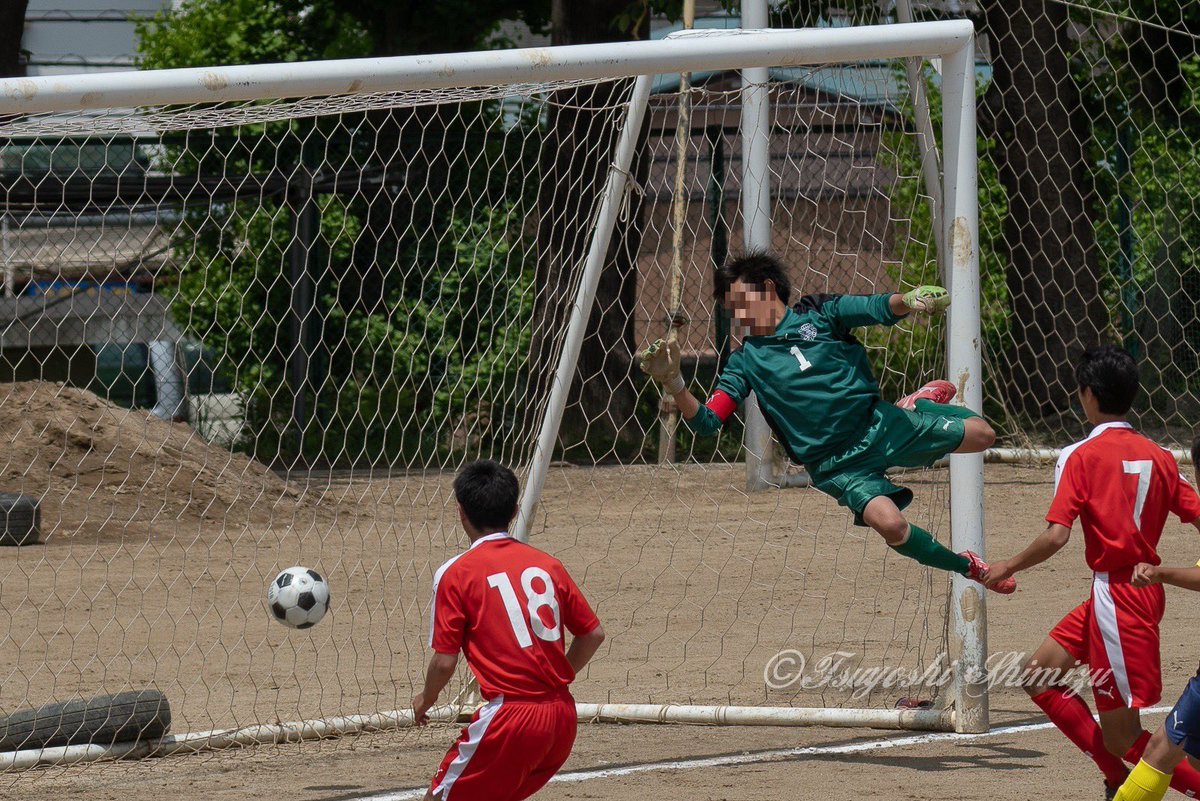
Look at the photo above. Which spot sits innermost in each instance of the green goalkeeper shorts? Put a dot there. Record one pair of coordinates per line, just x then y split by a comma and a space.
895, 438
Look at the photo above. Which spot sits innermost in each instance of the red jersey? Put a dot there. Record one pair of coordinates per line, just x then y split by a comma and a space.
1121, 486
505, 604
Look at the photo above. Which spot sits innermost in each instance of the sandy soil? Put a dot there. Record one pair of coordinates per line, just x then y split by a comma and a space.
699, 584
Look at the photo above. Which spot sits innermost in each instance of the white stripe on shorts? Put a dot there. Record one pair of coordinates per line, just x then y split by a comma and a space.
475, 733
1106, 616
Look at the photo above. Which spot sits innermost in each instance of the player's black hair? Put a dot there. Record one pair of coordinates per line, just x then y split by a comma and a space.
756, 267
487, 492
1112, 376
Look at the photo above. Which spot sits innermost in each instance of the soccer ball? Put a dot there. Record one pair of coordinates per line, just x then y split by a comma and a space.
298, 597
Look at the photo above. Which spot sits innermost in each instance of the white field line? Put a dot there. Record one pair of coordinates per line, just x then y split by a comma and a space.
733, 760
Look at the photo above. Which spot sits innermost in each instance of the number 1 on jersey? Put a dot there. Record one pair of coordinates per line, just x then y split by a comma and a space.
804, 363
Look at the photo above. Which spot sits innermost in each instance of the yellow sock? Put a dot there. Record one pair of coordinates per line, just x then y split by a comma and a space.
1144, 784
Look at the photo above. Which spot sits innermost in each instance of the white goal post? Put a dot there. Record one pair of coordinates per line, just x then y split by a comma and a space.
949, 43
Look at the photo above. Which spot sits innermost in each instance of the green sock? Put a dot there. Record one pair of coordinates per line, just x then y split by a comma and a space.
927, 406
922, 547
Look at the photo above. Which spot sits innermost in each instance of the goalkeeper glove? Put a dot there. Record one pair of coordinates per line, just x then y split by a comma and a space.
927, 299
660, 361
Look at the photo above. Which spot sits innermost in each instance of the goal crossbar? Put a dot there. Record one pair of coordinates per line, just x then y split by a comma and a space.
712, 50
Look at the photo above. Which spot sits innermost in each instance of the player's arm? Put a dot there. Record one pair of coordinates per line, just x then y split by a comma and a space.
846, 312
1070, 494
447, 634
437, 676
1048, 543
1186, 577
661, 361
579, 618
584, 647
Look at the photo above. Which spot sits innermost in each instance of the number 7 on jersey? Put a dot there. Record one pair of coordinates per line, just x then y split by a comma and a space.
1142, 469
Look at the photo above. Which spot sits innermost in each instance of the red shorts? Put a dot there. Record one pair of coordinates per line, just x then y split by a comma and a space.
508, 751
1115, 633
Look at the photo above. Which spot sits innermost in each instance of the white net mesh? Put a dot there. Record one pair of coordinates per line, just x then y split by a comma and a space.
1087, 132
362, 292
786, 570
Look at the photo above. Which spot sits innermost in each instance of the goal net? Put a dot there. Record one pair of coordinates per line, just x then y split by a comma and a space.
257, 316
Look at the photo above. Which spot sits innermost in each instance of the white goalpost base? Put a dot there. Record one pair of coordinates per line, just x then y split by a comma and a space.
307, 730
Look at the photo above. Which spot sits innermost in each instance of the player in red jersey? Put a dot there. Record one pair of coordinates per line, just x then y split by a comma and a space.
1179, 736
505, 605
1121, 487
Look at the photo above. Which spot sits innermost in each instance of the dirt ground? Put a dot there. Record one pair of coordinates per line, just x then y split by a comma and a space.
156, 559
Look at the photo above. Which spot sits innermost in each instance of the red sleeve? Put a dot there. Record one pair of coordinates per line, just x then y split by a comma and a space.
577, 614
1185, 502
448, 620
1070, 493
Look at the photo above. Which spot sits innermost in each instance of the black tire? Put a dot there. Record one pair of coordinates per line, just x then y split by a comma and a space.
20, 519
103, 720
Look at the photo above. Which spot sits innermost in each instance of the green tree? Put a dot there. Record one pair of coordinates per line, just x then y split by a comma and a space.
212, 32
1145, 127
1035, 119
915, 262
581, 133
418, 320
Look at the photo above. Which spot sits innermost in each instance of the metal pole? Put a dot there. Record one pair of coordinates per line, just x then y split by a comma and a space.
720, 232
916, 719
708, 50
756, 219
1125, 237
323, 728
610, 205
303, 210
9, 279
668, 412
969, 608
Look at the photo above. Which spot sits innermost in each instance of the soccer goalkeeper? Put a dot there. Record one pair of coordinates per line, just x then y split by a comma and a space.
818, 394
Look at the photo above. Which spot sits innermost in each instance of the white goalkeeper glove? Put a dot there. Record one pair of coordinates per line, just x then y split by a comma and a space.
927, 299
661, 361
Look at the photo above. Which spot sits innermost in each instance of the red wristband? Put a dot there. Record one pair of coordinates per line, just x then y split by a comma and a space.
722, 405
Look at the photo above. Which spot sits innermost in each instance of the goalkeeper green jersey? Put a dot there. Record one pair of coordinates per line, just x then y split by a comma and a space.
812, 378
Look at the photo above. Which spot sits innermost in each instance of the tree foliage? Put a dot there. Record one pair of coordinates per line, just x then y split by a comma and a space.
1145, 112
419, 316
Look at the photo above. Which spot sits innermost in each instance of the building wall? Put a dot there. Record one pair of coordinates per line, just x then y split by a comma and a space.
70, 36
833, 221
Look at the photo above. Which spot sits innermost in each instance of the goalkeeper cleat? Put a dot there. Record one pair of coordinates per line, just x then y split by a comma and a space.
936, 391
978, 570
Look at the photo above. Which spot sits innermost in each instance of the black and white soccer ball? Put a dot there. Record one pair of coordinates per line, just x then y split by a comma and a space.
298, 597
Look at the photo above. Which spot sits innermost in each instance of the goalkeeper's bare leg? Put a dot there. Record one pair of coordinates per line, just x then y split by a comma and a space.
882, 514
977, 437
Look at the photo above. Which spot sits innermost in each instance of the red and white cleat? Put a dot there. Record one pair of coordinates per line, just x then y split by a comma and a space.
978, 571
938, 391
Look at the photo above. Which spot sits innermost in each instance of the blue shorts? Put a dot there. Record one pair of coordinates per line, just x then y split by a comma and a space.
1183, 723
